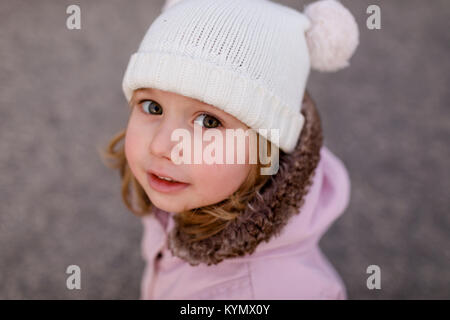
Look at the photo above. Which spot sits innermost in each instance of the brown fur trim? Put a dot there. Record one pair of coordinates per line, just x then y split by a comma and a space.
269, 211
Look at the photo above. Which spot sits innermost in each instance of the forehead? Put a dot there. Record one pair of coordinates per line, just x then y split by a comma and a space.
166, 95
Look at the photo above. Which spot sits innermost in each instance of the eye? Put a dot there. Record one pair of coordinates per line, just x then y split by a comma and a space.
150, 106
207, 121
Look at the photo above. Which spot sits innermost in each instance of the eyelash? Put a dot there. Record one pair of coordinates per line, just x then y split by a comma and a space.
141, 108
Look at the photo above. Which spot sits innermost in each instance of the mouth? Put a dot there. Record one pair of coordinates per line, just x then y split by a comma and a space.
164, 183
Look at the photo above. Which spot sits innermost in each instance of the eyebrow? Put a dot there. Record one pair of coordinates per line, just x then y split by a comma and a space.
136, 93
219, 113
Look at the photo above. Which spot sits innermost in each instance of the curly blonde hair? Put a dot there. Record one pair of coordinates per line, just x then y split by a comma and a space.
201, 222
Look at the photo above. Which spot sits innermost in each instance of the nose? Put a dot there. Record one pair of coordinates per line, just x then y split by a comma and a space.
161, 145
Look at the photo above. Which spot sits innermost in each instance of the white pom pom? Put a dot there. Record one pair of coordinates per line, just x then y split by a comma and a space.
333, 35
168, 4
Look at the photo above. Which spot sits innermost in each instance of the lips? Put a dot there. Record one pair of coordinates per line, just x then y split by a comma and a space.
160, 174
162, 185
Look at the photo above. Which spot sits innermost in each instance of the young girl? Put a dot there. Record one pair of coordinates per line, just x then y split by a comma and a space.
226, 230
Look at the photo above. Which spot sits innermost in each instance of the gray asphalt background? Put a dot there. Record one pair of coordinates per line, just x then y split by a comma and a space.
386, 117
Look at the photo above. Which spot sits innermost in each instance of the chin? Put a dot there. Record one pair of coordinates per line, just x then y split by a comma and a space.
168, 205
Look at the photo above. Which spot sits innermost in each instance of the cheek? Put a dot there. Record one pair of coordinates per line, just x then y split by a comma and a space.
133, 146
241, 148
218, 181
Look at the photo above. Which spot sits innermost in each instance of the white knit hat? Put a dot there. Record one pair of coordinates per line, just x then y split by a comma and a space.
250, 58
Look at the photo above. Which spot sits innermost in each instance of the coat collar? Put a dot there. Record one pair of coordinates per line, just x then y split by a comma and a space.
269, 211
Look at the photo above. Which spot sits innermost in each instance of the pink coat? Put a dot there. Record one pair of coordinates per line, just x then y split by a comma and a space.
290, 266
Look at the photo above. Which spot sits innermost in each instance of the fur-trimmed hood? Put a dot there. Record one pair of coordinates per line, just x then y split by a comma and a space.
288, 193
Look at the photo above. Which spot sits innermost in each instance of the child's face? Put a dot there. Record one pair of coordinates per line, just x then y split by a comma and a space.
154, 116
